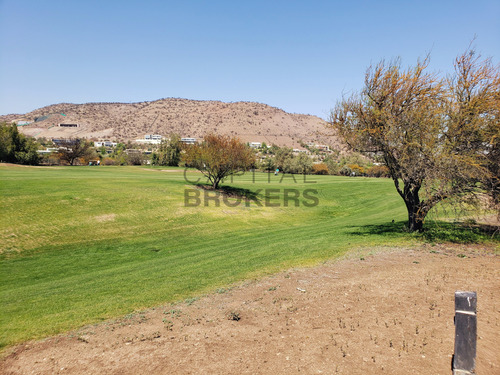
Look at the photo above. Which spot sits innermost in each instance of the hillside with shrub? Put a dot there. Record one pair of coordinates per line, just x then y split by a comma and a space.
252, 122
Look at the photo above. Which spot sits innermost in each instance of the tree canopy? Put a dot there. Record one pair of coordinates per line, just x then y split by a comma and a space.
16, 147
71, 150
169, 152
438, 136
219, 156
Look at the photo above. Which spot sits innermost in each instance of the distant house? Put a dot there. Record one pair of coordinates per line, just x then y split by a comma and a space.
59, 141
22, 123
255, 144
48, 150
129, 151
153, 139
153, 136
105, 144
322, 147
188, 141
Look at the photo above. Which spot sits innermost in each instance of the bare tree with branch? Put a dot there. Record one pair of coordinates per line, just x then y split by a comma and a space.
438, 136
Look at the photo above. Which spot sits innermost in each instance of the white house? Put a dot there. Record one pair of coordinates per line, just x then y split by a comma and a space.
105, 144
152, 139
188, 141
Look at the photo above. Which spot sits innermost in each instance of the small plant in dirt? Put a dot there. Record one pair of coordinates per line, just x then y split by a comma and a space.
168, 324
173, 313
234, 315
190, 301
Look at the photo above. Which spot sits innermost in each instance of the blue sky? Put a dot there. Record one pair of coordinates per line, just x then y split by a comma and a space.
300, 56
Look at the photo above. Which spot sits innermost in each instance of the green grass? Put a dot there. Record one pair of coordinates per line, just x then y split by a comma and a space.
80, 245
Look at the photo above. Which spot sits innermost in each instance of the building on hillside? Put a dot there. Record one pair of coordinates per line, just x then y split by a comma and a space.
255, 144
188, 141
322, 147
105, 144
59, 141
153, 136
129, 151
153, 139
48, 150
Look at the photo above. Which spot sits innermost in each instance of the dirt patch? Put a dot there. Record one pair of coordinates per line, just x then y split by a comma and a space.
105, 218
387, 312
28, 166
164, 170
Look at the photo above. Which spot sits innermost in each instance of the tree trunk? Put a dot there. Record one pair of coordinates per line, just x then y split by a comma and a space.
415, 218
215, 183
416, 211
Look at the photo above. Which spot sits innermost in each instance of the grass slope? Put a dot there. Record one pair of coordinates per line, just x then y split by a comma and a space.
80, 244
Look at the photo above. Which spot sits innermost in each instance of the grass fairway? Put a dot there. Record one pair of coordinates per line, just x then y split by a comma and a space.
84, 244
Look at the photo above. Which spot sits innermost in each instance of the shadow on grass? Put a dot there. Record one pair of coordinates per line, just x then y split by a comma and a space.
230, 191
440, 231
386, 229
434, 231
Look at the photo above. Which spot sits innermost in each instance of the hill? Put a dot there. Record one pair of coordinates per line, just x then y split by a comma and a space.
252, 122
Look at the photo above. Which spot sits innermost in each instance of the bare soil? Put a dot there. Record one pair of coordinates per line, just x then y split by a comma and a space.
385, 311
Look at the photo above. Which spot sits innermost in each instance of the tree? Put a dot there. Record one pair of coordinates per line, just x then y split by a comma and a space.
268, 164
475, 115
219, 156
282, 156
169, 152
72, 149
134, 158
298, 164
16, 147
437, 136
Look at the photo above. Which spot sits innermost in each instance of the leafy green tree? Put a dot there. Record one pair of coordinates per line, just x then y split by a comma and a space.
333, 165
282, 156
273, 149
268, 164
169, 152
102, 151
16, 147
303, 164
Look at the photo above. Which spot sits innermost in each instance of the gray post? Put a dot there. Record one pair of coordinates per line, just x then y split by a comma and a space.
464, 359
